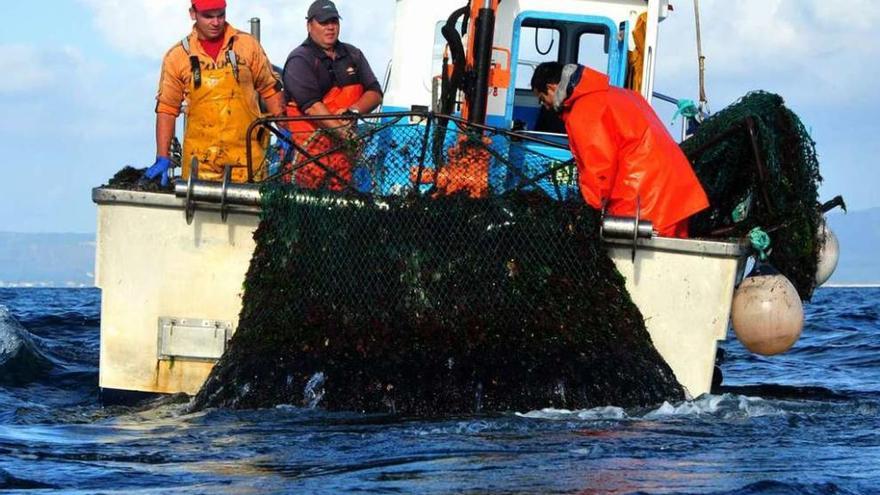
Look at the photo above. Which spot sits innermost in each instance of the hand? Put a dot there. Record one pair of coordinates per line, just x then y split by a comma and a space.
348, 124
159, 168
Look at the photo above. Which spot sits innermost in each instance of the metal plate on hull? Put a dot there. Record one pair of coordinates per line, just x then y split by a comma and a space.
193, 339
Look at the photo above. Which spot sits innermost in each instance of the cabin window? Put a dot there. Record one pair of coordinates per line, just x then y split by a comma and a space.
587, 40
536, 45
592, 50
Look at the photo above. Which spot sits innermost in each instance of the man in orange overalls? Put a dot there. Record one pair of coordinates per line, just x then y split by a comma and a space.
324, 76
220, 72
626, 158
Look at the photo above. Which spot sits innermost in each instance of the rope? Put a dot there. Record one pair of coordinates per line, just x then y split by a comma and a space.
760, 242
687, 109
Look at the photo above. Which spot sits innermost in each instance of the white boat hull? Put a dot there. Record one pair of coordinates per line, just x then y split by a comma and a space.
172, 292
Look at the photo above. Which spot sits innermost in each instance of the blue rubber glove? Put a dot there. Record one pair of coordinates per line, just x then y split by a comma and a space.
159, 168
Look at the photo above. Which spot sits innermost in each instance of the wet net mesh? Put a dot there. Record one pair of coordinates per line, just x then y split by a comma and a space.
416, 292
758, 165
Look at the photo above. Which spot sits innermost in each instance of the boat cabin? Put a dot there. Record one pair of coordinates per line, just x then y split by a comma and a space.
605, 35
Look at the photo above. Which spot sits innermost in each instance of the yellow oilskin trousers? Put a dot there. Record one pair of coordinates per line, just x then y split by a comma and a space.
219, 112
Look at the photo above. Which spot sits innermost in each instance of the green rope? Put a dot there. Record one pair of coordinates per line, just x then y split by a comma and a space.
687, 109
760, 242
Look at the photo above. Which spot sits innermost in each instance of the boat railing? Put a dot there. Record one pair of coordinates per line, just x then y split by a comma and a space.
409, 152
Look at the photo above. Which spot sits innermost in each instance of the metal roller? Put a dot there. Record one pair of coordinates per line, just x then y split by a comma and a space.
632, 228
218, 192
227, 194
626, 228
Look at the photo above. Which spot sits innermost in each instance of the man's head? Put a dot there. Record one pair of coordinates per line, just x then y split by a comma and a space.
210, 18
545, 81
323, 23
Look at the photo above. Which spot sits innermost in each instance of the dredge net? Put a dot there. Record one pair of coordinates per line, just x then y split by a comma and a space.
454, 272
758, 165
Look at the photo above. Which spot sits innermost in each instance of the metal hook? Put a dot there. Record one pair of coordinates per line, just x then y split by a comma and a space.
552, 42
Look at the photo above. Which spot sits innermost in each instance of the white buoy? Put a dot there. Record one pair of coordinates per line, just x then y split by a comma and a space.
828, 255
767, 314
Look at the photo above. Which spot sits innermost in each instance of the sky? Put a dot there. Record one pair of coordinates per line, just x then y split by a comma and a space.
78, 80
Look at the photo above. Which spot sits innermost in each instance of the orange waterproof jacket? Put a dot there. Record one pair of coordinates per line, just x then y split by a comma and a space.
624, 152
175, 81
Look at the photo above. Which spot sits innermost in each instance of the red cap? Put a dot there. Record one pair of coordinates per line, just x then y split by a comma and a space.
202, 5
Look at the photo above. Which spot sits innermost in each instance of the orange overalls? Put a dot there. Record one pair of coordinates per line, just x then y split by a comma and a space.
317, 141
222, 104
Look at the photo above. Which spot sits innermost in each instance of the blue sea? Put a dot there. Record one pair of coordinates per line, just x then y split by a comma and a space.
807, 422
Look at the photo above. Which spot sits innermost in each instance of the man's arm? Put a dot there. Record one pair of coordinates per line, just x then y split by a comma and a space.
164, 132
169, 98
319, 108
372, 96
266, 82
368, 102
275, 104
594, 146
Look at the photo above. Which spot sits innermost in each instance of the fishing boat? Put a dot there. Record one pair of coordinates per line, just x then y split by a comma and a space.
171, 266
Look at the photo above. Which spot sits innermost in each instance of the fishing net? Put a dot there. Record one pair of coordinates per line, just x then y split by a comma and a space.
758, 166
412, 153
431, 297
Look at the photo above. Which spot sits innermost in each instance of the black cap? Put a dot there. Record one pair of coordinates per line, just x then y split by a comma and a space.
323, 11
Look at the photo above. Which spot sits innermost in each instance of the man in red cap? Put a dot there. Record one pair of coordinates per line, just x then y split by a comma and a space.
220, 72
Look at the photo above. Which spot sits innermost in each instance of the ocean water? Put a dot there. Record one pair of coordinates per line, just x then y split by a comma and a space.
807, 422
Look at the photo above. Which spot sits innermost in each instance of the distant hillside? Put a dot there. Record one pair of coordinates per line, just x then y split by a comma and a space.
50, 260
62, 260
859, 236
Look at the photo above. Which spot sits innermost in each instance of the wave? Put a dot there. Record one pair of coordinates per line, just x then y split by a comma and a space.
726, 405
797, 400
778, 487
10, 482
21, 360
73, 320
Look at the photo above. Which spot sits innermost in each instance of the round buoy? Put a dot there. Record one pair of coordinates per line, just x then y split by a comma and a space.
828, 255
767, 314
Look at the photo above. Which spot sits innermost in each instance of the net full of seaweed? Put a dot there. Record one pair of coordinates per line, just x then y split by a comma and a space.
421, 295
758, 165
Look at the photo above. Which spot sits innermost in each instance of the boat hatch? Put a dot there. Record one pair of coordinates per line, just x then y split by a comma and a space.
192, 338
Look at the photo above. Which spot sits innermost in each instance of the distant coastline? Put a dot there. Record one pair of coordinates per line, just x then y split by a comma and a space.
46, 285
851, 286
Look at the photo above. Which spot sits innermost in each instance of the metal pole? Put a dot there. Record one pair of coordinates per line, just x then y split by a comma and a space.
255, 27
484, 33
702, 59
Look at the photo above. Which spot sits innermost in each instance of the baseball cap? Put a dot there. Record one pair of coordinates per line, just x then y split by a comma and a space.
201, 5
323, 11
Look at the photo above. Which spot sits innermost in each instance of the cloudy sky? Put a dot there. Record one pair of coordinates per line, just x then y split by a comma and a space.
78, 80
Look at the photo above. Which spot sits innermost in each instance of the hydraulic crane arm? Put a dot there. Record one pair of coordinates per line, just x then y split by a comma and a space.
471, 67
